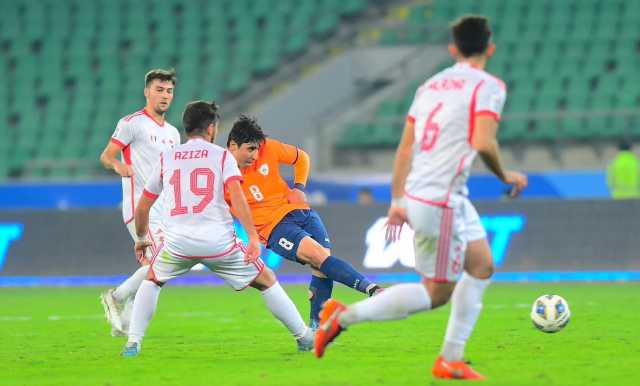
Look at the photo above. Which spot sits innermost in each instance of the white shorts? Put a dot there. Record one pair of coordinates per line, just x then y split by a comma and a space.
154, 236
231, 267
441, 237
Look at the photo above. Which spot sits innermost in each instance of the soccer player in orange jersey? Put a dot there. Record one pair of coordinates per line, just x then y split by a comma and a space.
285, 222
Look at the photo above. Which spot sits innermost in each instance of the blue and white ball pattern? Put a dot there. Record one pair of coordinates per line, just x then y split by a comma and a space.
550, 313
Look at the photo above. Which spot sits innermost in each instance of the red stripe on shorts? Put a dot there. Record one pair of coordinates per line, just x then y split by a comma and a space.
444, 244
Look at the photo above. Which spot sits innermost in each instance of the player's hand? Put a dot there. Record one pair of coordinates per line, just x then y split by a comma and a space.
296, 196
396, 219
139, 249
517, 180
123, 169
252, 252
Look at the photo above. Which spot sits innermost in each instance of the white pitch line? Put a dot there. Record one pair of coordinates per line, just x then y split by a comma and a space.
74, 317
15, 318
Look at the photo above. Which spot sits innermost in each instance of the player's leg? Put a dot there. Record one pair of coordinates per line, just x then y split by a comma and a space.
433, 246
320, 289
163, 268
398, 302
394, 303
439, 247
322, 259
156, 237
434, 242
302, 237
466, 302
284, 240
129, 287
283, 308
240, 275
115, 300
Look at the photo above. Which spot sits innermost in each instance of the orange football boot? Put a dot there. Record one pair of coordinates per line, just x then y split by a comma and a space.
454, 370
329, 328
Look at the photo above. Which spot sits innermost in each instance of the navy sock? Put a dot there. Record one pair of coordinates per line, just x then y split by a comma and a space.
320, 288
343, 272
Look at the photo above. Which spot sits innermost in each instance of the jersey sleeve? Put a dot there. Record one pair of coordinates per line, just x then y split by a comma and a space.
287, 154
153, 188
413, 110
230, 170
177, 138
123, 135
491, 98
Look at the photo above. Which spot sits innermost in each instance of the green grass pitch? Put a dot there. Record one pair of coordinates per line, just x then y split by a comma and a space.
214, 336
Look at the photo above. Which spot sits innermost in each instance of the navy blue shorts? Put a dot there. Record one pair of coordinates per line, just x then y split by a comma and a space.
295, 226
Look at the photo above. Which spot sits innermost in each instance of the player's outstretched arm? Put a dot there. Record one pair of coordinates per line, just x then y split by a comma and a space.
243, 214
110, 161
397, 214
402, 162
142, 225
485, 142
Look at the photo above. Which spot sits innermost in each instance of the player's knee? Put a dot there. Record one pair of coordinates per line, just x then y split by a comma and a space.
440, 293
481, 271
155, 281
265, 280
312, 253
317, 273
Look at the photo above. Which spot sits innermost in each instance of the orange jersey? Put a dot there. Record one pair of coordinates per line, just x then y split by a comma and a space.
265, 189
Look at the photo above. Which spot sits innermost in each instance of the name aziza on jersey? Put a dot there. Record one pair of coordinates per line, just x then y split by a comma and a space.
191, 154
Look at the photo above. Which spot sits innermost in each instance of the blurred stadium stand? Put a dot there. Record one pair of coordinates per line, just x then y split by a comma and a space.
570, 68
74, 67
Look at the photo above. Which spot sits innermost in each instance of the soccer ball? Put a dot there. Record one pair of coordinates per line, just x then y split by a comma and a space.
550, 313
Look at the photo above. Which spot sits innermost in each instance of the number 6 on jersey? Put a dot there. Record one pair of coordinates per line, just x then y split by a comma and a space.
431, 130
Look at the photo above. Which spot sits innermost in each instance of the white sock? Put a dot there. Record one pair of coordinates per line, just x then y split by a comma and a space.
125, 315
282, 307
466, 304
144, 306
396, 302
129, 287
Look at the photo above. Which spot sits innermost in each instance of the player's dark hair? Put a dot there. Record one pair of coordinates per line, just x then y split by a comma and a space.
160, 74
246, 130
198, 115
471, 34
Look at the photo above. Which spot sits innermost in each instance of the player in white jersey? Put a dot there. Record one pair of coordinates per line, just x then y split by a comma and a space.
198, 227
454, 116
140, 137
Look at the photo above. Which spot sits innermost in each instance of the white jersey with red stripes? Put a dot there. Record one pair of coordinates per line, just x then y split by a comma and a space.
141, 139
443, 113
196, 219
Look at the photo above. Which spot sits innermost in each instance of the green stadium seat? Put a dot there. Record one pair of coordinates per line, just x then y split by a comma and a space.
513, 130
546, 131
353, 136
634, 129
353, 7
325, 25
577, 129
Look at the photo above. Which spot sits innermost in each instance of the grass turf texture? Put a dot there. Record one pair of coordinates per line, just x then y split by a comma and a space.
214, 336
